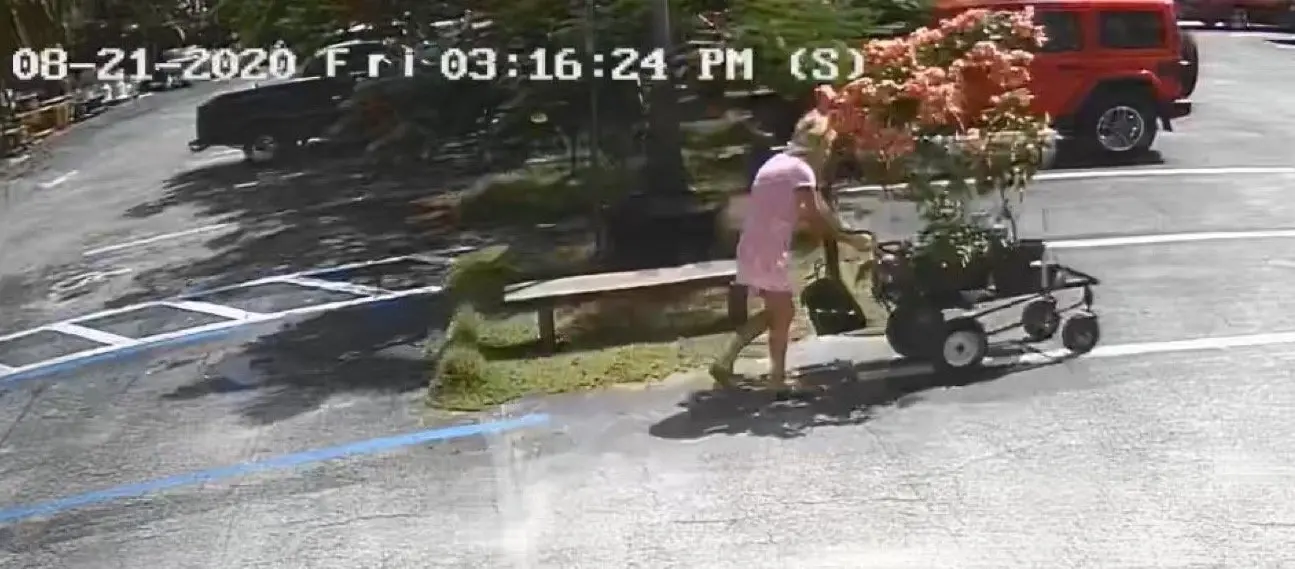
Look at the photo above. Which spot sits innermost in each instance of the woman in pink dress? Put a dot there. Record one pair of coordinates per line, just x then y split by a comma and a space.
783, 196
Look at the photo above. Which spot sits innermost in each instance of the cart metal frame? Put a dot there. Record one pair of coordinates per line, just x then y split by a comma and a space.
919, 329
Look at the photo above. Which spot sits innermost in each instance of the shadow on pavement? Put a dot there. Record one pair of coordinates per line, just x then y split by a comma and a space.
376, 349
1252, 29
1070, 157
313, 213
840, 397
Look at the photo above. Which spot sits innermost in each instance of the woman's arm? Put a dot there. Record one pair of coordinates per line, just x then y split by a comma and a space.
815, 210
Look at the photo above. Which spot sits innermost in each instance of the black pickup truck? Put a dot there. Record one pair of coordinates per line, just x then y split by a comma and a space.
271, 118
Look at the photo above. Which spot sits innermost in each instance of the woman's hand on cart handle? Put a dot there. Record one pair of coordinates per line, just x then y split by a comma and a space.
862, 240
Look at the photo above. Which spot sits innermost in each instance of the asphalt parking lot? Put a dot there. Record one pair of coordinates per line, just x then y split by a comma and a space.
1169, 446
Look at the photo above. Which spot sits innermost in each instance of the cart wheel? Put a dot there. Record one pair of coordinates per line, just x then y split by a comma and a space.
908, 326
964, 346
1081, 333
1040, 319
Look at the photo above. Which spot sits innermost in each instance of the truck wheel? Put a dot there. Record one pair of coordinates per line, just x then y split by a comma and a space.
1191, 64
1120, 123
265, 148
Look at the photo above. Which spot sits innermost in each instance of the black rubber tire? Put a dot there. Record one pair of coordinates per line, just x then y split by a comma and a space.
1081, 333
1191, 66
1136, 99
979, 347
1040, 319
287, 146
1239, 19
908, 329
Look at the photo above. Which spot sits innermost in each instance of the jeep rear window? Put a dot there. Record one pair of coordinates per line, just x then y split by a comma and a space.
1132, 30
1062, 31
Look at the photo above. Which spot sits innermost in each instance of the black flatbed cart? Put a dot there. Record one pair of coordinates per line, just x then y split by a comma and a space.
917, 326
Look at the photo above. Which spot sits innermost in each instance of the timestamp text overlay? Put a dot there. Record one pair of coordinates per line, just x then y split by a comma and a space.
476, 64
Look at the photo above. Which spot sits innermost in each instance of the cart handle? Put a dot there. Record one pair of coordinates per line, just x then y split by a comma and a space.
896, 248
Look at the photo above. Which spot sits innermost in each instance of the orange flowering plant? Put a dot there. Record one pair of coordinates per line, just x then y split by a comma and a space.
952, 98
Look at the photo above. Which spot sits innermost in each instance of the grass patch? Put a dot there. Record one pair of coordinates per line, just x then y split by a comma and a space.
491, 357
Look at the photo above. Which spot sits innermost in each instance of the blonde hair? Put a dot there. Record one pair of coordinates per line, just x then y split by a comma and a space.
813, 138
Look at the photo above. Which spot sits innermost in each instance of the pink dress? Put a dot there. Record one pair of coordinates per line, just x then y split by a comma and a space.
764, 249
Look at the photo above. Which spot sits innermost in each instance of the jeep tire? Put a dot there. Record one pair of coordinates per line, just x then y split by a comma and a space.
1119, 122
1191, 64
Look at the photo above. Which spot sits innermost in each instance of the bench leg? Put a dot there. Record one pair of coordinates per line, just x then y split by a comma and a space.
737, 307
548, 329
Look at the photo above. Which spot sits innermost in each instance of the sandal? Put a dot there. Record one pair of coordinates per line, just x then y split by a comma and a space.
723, 376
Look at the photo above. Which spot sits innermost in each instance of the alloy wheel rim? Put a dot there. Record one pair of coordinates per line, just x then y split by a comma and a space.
1120, 128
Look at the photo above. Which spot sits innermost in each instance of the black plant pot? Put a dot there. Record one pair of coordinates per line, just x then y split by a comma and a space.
1013, 271
939, 281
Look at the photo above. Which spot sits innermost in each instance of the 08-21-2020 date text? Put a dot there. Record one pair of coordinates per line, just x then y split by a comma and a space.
117, 64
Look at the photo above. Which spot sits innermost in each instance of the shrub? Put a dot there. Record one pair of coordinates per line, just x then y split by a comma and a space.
477, 279
953, 98
465, 327
462, 369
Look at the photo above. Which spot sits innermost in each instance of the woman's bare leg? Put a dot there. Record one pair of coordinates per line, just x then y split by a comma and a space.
782, 310
757, 324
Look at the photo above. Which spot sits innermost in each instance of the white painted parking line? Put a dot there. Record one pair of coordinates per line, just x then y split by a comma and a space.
1044, 357
333, 286
156, 239
213, 309
118, 346
91, 334
59, 180
182, 336
1119, 173
1164, 172
1169, 238
1147, 348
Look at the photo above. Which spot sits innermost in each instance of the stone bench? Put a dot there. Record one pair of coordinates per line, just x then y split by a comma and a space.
545, 296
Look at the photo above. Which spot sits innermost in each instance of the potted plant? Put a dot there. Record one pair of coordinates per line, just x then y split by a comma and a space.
950, 101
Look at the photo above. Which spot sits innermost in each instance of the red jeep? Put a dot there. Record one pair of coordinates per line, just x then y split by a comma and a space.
1111, 74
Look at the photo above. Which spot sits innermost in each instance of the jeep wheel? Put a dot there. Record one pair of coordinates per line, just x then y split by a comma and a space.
1121, 123
1240, 19
1191, 64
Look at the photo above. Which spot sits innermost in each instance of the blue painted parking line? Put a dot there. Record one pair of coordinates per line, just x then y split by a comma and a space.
283, 462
